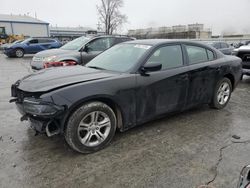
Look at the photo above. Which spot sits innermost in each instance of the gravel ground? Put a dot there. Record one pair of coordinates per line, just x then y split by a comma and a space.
185, 150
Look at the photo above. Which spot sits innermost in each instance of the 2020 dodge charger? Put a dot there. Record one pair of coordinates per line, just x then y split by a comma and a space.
127, 85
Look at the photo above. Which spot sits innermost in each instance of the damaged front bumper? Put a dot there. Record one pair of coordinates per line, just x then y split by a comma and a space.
43, 116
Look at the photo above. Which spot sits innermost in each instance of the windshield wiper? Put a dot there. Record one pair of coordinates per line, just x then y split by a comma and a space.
94, 67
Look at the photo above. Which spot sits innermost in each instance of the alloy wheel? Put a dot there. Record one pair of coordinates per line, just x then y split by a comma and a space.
19, 53
223, 93
94, 128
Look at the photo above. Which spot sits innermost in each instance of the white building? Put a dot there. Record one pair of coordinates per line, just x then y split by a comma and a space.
24, 25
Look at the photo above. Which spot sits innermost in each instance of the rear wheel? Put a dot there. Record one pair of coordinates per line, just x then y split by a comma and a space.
222, 94
91, 127
19, 53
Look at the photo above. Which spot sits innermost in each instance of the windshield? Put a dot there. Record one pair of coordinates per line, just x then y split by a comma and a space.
120, 58
76, 44
17, 41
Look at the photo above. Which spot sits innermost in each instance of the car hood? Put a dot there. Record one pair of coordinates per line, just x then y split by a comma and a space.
243, 48
54, 78
53, 52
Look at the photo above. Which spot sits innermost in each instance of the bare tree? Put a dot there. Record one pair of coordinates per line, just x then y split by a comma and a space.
110, 16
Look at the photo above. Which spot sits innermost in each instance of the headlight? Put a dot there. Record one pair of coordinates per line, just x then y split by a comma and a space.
49, 59
31, 106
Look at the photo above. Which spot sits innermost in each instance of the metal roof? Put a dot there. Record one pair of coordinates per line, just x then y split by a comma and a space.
20, 19
70, 29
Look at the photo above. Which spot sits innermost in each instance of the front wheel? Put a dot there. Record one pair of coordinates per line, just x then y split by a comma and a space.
222, 94
91, 127
19, 53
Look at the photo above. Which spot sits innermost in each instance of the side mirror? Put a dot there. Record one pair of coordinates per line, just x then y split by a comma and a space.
151, 68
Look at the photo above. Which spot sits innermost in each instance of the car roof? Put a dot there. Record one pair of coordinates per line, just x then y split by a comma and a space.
156, 42
114, 36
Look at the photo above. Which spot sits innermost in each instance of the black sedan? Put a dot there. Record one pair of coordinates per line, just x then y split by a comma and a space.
127, 85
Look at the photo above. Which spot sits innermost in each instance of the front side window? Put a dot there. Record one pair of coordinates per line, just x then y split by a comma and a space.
196, 54
210, 55
100, 44
34, 41
169, 56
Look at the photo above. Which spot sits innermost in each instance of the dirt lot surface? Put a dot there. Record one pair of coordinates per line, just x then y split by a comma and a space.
182, 151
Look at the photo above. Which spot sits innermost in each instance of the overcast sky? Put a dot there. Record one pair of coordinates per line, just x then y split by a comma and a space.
220, 15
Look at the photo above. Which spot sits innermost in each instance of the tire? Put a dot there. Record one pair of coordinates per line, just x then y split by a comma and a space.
19, 52
222, 94
86, 131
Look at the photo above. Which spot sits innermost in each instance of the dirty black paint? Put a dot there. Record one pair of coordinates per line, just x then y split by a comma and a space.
140, 98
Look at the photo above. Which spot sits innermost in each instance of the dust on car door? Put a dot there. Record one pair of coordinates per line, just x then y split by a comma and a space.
165, 90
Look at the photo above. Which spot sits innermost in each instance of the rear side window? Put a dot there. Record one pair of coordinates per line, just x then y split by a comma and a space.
168, 56
217, 45
224, 45
45, 40
125, 39
196, 54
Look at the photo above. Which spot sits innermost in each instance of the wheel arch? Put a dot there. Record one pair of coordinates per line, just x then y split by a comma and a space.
21, 48
231, 78
104, 99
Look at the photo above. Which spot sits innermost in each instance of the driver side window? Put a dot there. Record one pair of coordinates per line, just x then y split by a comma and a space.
34, 41
169, 56
100, 44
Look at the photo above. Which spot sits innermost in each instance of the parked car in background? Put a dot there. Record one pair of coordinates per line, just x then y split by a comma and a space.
4, 46
243, 43
224, 47
127, 85
31, 46
243, 52
79, 51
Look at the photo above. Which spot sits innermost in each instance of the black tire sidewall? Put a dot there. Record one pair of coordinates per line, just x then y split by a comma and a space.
71, 134
215, 102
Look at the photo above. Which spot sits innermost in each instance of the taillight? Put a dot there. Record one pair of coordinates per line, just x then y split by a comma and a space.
59, 64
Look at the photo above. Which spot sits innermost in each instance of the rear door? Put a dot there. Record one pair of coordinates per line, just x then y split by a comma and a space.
165, 90
45, 44
95, 47
202, 74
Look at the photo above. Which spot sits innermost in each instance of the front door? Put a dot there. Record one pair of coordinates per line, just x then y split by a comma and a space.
165, 90
32, 46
